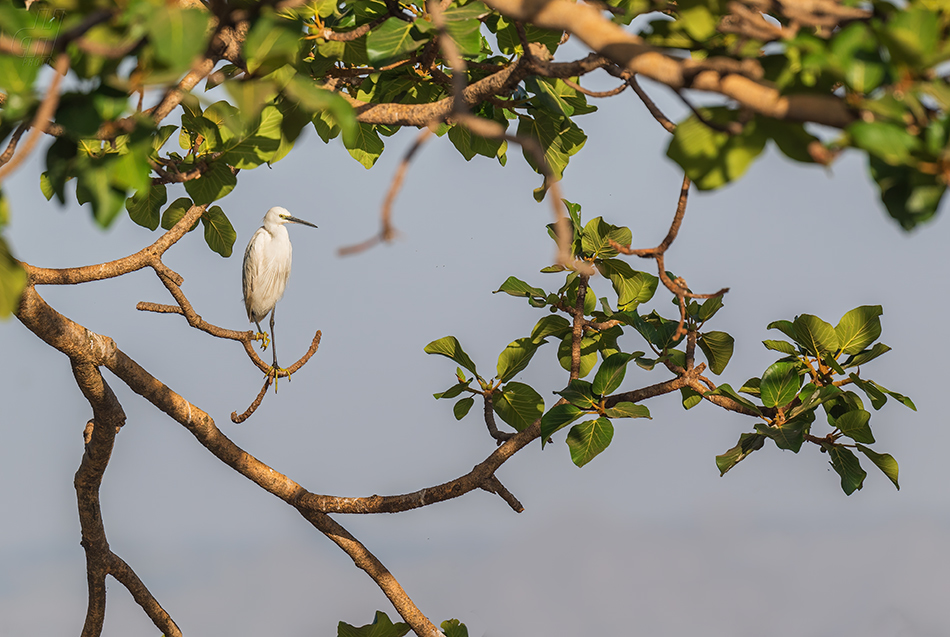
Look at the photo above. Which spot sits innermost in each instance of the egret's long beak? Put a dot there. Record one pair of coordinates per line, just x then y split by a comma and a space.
296, 220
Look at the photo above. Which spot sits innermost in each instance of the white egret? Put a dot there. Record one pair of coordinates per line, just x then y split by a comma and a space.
267, 268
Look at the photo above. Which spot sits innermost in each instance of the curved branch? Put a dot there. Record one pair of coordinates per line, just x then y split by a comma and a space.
145, 257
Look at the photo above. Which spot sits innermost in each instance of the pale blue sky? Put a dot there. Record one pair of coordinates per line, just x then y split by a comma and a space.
647, 539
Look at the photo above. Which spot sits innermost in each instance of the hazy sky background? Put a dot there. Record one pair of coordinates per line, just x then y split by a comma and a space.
645, 540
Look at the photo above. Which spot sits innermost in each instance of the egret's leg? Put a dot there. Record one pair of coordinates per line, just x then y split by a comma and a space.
261, 336
273, 339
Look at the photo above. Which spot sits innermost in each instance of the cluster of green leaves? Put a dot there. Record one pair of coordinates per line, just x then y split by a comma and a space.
520, 405
889, 69
382, 626
543, 107
819, 365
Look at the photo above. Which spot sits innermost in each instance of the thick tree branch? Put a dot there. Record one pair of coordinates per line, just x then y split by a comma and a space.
108, 417
727, 77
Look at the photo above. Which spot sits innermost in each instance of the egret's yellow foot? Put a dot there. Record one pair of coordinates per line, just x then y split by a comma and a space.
276, 371
262, 336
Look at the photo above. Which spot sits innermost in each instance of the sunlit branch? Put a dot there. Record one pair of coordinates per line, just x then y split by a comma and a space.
740, 81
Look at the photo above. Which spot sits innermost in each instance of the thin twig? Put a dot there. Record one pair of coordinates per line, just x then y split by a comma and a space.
657, 114
387, 232
580, 89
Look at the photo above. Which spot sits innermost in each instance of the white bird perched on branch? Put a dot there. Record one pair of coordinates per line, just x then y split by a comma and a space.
267, 268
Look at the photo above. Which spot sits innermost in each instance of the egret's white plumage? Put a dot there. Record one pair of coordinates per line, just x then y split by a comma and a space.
267, 267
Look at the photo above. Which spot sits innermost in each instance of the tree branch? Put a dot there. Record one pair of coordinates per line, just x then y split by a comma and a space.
108, 418
739, 81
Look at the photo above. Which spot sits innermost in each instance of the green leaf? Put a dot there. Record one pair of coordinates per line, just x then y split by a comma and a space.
516, 287
551, 325
516, 357
654, 328
579, 393
518, 404
93, 185
752, 387
469, 11
718, 347
365, 145
790, 435
453, 627
780, 384
461, 407
628, 410
696, 19
889, 142
254, 145
691, 397
854, 424
746, 445
596, 241
271, 43
780, 346
790, 137
857, 58
901, 398
910, 196
382, 626
215, 183
556, 418
814, 335
17, 74
912, 34
449, 346
883, 461
709, 308
847, 466
560, 139
548, 95
611, 373
452, 391
392, 40
712, 158
632, 287
867, 355
315, 100
588, 439
466, 34
588, 354
12, 281
786, 327
219, 233
726, 390
47, 187
174, 212
811, 398
871, 389
145, 206
177, 35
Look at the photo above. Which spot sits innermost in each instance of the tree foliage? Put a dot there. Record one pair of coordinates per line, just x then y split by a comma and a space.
245, 79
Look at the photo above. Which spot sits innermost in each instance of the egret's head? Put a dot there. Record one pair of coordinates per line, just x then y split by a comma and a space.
278, 216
